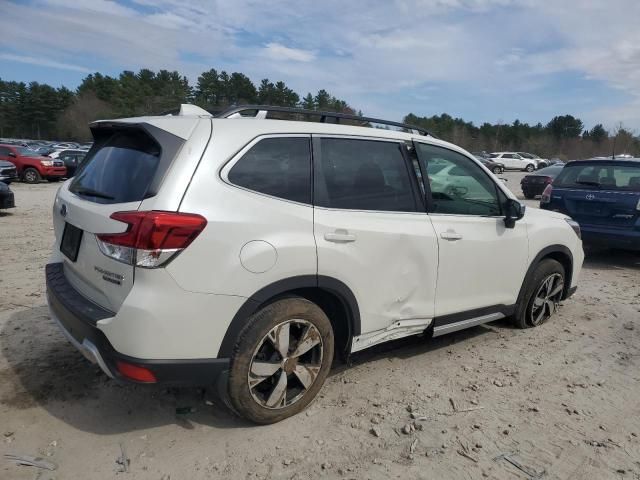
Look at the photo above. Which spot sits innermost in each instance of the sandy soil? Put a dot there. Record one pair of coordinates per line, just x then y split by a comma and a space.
563, 398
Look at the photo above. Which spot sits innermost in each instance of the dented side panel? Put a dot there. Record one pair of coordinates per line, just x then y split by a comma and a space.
390, 261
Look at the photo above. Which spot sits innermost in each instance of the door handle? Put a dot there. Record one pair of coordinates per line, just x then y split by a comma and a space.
451, 236
340, 236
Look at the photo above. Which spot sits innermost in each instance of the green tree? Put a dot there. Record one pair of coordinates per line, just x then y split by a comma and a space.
565, 126
598, 134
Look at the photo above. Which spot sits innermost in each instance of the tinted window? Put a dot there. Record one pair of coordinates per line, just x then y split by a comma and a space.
4, 151
280, 167
121, 170
363, 175
601, 175
459, 187
508, 155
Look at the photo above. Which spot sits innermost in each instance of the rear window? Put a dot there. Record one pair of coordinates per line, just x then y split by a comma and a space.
120, 170
604, 176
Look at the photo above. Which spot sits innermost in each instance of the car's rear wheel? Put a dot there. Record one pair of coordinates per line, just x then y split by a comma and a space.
497, 169
530, 168
280, 361
542, 294
31, 175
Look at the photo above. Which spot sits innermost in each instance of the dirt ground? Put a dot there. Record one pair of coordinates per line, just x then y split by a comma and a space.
563, 399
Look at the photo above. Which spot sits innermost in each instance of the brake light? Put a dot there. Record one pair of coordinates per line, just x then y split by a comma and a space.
152, 238
546, 194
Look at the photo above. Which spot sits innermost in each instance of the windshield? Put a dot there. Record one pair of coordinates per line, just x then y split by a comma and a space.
601, 176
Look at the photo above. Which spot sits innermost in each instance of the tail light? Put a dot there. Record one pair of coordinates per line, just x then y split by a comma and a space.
135, 372
546, 195
152, 238
548, 180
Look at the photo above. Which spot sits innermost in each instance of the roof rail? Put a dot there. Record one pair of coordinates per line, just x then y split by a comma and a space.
262, 110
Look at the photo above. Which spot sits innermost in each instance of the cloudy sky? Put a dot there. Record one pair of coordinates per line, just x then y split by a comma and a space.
483, 60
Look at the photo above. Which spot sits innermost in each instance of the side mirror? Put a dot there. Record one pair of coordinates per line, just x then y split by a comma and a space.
514, 211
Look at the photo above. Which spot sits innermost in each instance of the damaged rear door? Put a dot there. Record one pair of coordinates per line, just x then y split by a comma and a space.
373, 234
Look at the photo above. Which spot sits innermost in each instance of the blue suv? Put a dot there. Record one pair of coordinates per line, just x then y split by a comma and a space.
603, 196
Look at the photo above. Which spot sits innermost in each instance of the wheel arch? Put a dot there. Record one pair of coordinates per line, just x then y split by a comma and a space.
560, 253
334, 297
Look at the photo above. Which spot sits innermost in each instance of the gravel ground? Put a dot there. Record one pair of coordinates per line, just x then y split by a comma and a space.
563, 398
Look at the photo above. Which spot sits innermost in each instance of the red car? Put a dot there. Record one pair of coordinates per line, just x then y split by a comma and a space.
32, 168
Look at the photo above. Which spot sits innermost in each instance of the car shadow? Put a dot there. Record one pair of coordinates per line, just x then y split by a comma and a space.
45, 370
610, 259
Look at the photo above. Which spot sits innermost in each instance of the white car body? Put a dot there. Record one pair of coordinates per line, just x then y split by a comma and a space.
514, 161
397, 273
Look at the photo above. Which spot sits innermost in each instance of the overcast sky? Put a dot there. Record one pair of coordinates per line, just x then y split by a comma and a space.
483, 60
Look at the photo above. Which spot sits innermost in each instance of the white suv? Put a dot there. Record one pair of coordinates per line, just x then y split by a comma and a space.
242, 253
514, 161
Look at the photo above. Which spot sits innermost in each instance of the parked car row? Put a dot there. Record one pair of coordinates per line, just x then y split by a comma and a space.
32, 166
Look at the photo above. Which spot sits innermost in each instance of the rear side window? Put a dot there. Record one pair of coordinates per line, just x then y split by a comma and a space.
602, 175
363, 175
280, 167
120, 170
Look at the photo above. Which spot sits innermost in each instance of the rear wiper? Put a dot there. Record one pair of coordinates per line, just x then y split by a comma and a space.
587, 182
92, 193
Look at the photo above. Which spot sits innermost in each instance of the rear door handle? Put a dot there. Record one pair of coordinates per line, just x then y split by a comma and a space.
340, 236
451, 236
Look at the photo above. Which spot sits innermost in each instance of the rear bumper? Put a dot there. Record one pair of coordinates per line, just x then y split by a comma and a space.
77, 317
627, 240
533, 189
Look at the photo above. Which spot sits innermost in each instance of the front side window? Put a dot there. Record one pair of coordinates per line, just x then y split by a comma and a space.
363, 175
280, 167
458, 185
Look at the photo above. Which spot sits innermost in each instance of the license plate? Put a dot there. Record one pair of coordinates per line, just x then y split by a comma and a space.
71, 239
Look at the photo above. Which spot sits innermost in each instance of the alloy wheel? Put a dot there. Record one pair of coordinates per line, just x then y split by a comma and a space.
546, 299
30, 177
285, 364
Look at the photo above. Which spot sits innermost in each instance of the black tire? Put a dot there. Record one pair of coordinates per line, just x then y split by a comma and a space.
542, 165
525, 316
530, 168
497, 170
295, 314
31, 175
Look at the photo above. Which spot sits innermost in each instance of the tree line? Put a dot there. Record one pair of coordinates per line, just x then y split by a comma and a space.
564, 136
39, 111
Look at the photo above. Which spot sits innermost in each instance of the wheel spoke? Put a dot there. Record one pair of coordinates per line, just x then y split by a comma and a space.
539, 316
306, 374
280, 339
260, 371
538, 302
557, 289
278, 396
310, 339
550, 306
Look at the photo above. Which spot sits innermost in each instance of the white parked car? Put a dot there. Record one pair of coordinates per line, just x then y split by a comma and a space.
540, 162
514, 161
241, 253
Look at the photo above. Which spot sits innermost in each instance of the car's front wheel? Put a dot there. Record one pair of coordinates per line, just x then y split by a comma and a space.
542, 294
498, 169
280, 361
31, 175
530, 168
